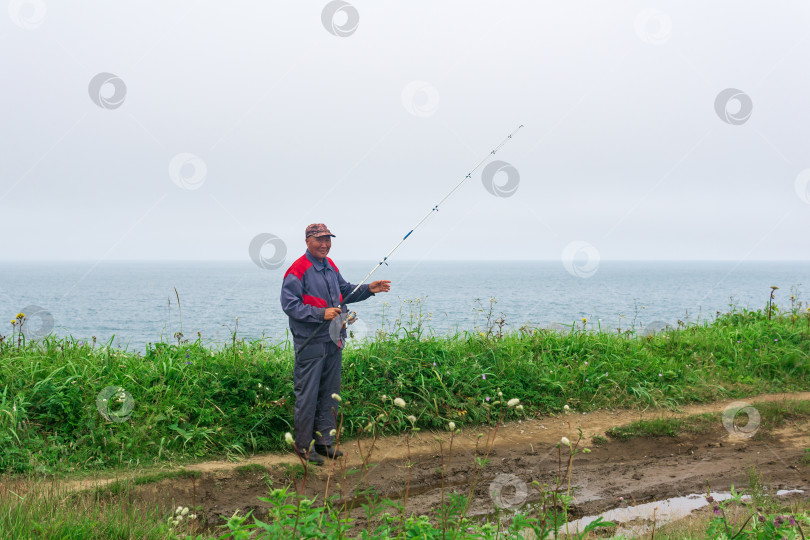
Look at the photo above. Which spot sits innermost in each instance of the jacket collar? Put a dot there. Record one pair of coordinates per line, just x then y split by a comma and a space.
318, 265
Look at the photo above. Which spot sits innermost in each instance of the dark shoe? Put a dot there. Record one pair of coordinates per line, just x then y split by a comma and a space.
314, 457
329, 451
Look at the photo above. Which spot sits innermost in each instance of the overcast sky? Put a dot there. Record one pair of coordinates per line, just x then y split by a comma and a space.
219, 121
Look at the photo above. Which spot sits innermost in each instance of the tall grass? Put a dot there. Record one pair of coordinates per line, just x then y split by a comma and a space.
45, 509
193, 401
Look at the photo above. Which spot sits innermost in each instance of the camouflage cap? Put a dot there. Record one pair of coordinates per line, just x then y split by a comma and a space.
318, 229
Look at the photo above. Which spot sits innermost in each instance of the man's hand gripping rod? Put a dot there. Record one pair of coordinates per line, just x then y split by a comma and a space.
419, 224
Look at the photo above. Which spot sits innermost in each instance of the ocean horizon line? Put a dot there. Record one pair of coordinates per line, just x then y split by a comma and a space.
373, 261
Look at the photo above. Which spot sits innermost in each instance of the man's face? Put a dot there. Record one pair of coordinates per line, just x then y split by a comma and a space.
319, 245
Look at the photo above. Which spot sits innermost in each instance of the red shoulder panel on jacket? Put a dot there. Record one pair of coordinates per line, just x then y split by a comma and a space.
299, 267
314, 301
333, 264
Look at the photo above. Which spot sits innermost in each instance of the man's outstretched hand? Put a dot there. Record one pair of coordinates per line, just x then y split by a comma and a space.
382, 285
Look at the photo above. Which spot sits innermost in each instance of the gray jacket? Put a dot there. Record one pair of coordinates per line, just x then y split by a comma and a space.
309, 287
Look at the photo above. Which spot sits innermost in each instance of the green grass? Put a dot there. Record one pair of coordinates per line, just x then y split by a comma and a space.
666, 427
193, 402
773, 414
123, 486
599, 440
291, 470
251, 468
44, 510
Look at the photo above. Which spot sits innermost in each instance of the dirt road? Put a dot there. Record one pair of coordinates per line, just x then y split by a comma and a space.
639, 470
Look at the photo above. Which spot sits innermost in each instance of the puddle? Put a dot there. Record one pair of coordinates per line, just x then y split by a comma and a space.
665, 511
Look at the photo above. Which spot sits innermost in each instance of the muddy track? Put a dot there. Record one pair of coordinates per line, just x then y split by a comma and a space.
639, 470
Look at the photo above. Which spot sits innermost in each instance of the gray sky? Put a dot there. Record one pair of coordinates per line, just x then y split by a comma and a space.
623, 151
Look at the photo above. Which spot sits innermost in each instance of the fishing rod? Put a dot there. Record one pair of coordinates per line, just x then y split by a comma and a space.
419, 224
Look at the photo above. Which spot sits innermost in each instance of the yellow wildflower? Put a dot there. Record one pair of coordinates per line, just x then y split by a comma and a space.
20, 315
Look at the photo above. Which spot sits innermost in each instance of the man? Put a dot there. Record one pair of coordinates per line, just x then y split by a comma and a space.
311, 293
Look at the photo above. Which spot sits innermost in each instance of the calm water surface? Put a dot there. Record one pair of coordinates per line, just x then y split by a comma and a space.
135, 303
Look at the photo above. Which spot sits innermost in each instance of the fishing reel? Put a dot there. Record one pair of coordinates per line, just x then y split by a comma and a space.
350, 318
341, 323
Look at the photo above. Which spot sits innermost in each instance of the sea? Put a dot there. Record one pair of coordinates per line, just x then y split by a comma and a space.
130, 304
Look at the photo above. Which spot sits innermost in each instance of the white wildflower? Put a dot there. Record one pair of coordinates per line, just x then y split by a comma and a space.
412, 418
184, 512
512, 402
399, 402
333, 433
451, 426
565, 441
288, 437
519, 408
336, 397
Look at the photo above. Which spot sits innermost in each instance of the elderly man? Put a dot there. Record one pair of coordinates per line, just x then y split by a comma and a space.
311, 293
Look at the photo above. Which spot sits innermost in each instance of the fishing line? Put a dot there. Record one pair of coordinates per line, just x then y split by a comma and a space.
415, 227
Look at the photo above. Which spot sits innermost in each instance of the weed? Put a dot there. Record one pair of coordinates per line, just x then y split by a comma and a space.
191, 401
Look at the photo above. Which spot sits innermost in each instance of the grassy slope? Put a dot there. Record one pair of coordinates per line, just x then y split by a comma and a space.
192, 401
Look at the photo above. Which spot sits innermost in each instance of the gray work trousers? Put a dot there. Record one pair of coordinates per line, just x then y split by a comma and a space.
316, 376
